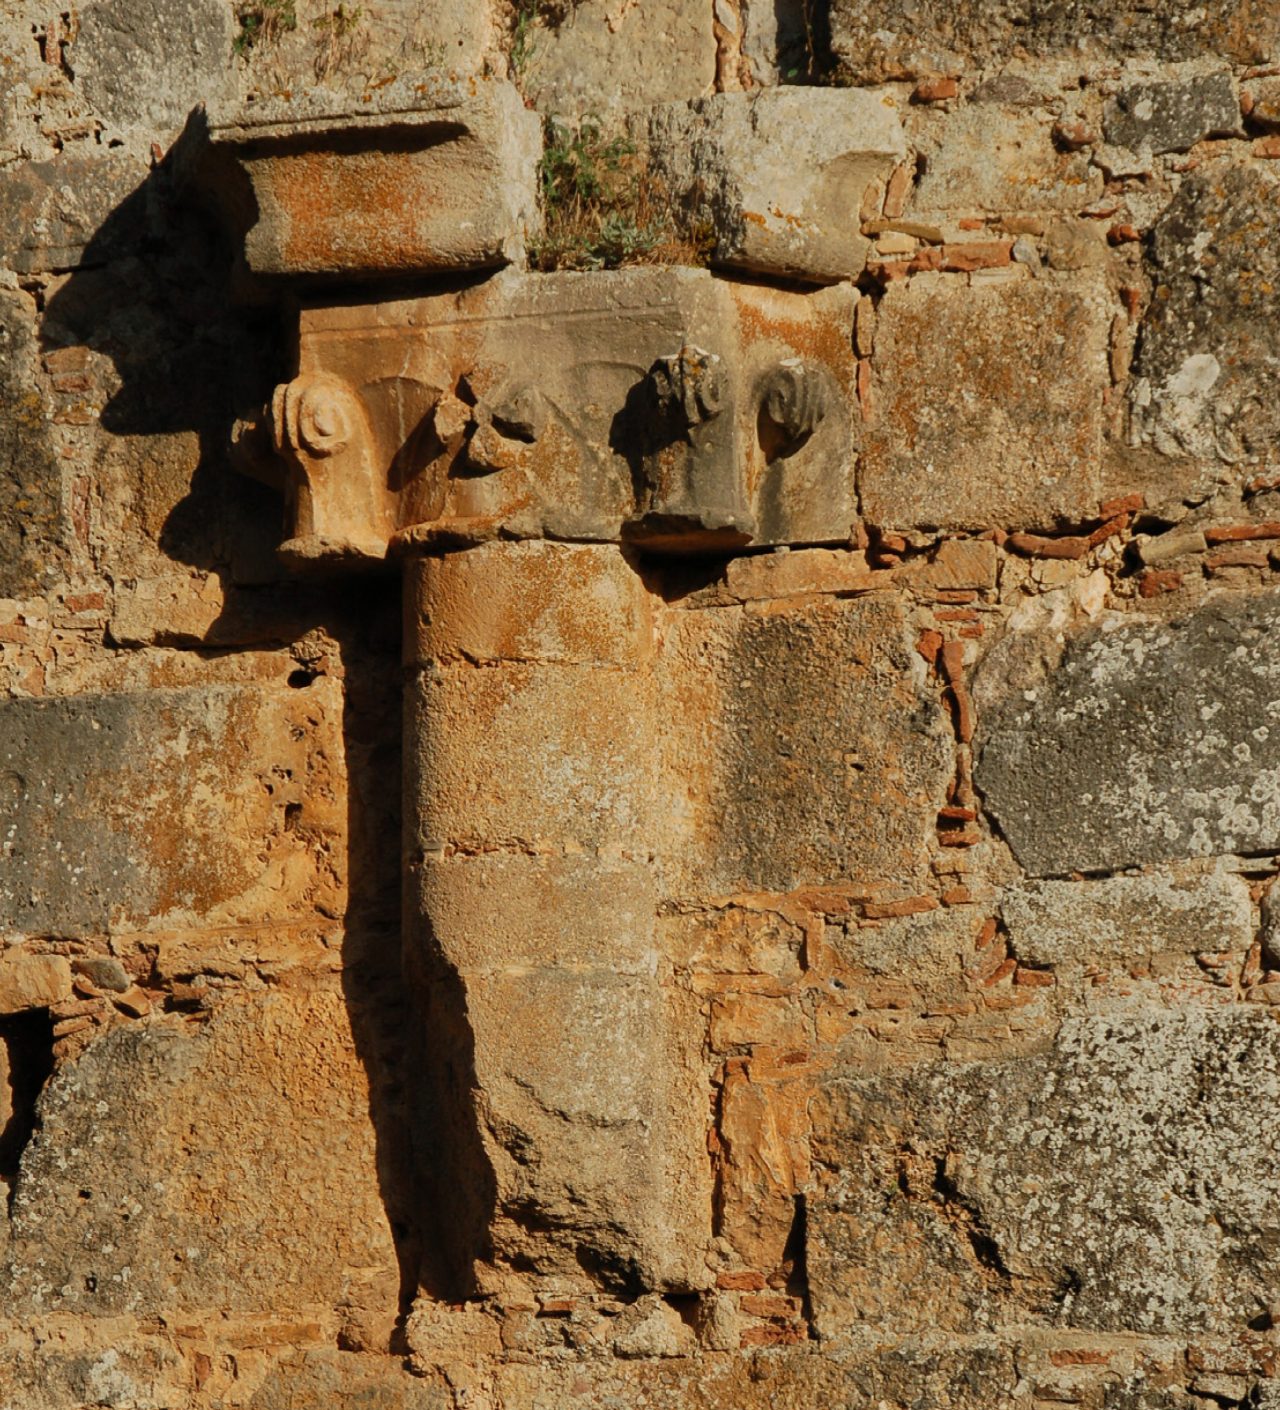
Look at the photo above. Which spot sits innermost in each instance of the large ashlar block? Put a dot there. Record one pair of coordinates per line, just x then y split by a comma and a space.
132, 811
805, 748
780, 174
1122, 1180
1110, 765
987, 405
228, 1167
876, 40
1127, 918
986, 157
666, 406
425, 174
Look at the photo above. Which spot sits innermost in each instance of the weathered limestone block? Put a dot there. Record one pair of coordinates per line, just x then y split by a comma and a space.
989, 158
1120, 1181
577, 1142
1153, 740
32, 981
780, 174
601, 56
961, 1373
1205, 371
666, 406
426, 173
340, 1381
805, 748
31, 522
127, 810
987, 404
1127, 917
1173, 116
70, 211
873, 42
228, 1166
147, 64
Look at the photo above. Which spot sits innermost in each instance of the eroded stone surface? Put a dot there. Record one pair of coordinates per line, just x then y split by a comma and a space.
957, 439
986, 157
1173, 117
805, 749
31, 522
1119, 1180
1127, 917
126, 810
874, 42
777, 208
1153, 740
573, 67
141, 1194
1209, 344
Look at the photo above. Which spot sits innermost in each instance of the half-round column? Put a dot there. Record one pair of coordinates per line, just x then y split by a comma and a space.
530, 908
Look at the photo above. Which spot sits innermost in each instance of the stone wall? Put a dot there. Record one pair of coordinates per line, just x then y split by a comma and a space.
889, 904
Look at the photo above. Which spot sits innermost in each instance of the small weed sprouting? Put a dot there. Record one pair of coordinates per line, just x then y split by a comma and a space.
602, 206
263, 22
341, 21
527, 16
339, 38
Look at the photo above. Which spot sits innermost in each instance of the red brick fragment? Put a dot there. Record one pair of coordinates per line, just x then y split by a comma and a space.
1125, 504
741, 1282
956, 616
897, 189
986, 935
1123, 234
971, 222
954, 812
1082, 1356
1233, 533
908, 906
1157, 580
967, 838
1035, 978
1110, 529
770, 1334
957, 896
1038, 546
1003, 971
1267, 147
1244, 555
935, 90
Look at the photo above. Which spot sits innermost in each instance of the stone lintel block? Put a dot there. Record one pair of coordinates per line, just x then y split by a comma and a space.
666, 406
426, 174
529, 601
1154, 740
1127, 917
780, 174
987, 404
505, 912
117, 811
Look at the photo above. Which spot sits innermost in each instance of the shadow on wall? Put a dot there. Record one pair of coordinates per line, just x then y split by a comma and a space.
153, 293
